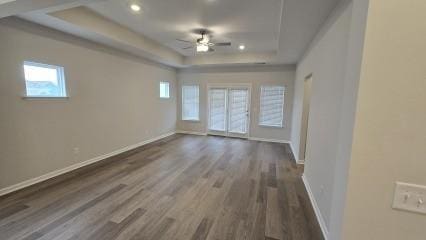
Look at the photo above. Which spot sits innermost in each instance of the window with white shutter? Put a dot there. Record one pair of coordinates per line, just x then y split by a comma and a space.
271, 106
190, 103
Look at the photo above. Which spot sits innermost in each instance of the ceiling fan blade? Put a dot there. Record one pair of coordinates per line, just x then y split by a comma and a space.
222, 44
211, 49
188, 47
181, 40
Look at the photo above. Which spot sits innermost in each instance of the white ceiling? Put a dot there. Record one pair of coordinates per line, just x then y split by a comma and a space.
254, 23
273, 31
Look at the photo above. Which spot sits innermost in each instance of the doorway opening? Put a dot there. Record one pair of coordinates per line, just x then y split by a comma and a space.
228, 113
307, 93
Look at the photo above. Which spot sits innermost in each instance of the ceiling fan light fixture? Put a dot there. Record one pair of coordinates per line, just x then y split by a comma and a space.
204, 40
202, 48
135, 7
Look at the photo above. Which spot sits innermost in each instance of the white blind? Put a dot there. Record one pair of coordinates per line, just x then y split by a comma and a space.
217, 109
238, 101
190, 102
271, 106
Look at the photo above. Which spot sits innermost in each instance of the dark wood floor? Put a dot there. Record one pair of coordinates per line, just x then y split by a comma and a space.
184, 187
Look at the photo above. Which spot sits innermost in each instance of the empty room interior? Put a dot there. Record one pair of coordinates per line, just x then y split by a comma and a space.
212, 119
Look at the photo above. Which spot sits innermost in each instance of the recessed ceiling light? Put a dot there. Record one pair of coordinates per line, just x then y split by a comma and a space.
242, 47
135, 7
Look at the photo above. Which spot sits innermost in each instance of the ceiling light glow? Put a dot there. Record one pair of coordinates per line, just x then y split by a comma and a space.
202, 48
242, 47
135, 7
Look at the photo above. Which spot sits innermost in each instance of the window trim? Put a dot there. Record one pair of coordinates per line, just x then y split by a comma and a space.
182, 103
282, 108
168, 90
60, 77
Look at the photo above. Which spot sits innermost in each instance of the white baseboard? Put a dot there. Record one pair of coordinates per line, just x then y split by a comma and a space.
58, 172
296, 155
192, 133
268, 140
316, 208
250, 138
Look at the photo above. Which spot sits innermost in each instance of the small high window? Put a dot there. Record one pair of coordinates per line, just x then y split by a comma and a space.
164, 90
42, 80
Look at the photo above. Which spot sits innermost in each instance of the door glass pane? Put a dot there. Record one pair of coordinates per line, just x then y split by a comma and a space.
238, 101
217, 109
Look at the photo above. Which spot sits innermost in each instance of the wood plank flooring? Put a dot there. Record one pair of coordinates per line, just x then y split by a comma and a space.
182, 188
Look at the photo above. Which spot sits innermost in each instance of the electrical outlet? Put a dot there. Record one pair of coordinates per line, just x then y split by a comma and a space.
410, 197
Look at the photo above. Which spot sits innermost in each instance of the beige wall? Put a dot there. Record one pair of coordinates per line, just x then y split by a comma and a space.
390, 132
256, 76
113, 103
366, 128
326, 61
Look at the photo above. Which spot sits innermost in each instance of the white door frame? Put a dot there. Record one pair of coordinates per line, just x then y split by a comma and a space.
229, 86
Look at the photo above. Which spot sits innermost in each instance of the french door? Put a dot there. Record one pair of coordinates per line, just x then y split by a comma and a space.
229, 111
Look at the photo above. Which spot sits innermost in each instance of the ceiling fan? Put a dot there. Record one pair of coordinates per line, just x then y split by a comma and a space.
203, 44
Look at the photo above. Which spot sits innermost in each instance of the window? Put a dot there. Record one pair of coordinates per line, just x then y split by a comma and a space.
42, 80
190, 103
271, 106
164, 90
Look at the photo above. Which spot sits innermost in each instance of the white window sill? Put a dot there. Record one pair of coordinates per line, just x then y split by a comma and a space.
191, 120
269, 126
45, 98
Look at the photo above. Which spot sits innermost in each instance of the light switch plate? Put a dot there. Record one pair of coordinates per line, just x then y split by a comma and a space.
410, 197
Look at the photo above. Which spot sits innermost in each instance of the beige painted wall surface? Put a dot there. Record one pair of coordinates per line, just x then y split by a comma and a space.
326, 61
113, 103
390, 132
256, 76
